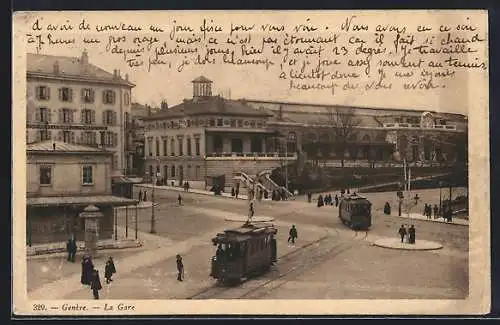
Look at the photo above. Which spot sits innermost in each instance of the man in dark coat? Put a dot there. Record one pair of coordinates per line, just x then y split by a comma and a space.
436, 210
140, 195
309, 197
95, 283
145, 195
292, 234
71, 248
336, 200
109, 270
411, 234
180, 268
179, 199
402, 232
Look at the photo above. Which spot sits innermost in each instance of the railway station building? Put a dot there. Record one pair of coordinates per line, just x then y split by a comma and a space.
208, 138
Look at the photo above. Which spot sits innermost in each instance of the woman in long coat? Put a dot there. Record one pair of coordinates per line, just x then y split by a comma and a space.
109, 270
87, 267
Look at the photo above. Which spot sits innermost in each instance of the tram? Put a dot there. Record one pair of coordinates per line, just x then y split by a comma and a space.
355, 212
244, 252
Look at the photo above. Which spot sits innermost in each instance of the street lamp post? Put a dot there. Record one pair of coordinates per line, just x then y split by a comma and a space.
440, 198
153, 220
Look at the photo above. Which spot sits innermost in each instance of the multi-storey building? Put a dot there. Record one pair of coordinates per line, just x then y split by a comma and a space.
74, 101
62, 179
210, 137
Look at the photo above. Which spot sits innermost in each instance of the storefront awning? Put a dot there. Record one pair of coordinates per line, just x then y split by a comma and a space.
79, 200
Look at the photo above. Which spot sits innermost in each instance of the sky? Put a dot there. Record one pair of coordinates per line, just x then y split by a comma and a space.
258, 84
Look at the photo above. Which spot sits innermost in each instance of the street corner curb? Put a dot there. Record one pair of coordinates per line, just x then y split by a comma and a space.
422, 245
81, 248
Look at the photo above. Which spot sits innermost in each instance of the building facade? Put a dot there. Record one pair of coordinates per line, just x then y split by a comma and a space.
210, 137
73, 101
62, 179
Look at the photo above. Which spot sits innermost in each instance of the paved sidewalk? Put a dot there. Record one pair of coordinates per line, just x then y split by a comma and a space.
198, 191
417, 216
395, 243
54, 248
66, 286
141, 205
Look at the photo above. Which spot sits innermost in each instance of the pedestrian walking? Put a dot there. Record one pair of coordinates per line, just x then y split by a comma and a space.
402, 232
140, 195
309, 197
411, 233
145, 197
95, 284
109, 270
320, 201
336, 200
387, 208
416, 199
71, 248
179, 199
436, 210
232, 191
180, 268
292, 235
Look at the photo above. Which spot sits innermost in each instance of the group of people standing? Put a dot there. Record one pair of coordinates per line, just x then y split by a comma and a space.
328, 200
410, 232
90, 275
445, 213
143, 196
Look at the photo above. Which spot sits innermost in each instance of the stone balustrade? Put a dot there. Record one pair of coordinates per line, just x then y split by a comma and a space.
251, 156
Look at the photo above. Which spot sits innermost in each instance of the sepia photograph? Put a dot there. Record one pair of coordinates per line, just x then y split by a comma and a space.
210, 162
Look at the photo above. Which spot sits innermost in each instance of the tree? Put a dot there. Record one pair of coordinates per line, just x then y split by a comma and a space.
343, 126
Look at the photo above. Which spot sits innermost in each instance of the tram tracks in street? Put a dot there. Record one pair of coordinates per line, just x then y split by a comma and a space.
290, 266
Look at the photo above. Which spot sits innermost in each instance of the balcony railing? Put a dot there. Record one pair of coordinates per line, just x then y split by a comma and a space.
418, 126
251, 156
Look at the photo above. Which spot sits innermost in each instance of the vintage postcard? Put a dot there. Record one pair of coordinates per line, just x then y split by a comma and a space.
251, 162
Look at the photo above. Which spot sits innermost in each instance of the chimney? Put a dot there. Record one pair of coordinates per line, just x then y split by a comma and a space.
164, 105
85, 58
54, 146
56, 67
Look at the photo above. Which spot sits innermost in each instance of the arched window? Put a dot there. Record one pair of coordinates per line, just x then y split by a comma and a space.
366, 138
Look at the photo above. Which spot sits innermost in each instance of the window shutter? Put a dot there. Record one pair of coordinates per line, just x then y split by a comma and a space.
93, 117
115, 139
83, 95
71, 117
112, 97
114, 118
104, 118
60, 94
104, 96
70, 94
61, 115
49, 115
37, 115
82, 116
94, 138
48, 92
37, 92
72, 137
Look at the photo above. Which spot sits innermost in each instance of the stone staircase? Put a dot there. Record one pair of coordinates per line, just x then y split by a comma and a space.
271, 185
248, 183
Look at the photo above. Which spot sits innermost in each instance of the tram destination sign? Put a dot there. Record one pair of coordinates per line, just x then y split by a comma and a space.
67, 127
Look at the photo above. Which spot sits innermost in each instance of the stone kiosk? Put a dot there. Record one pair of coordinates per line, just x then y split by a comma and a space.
91, 216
